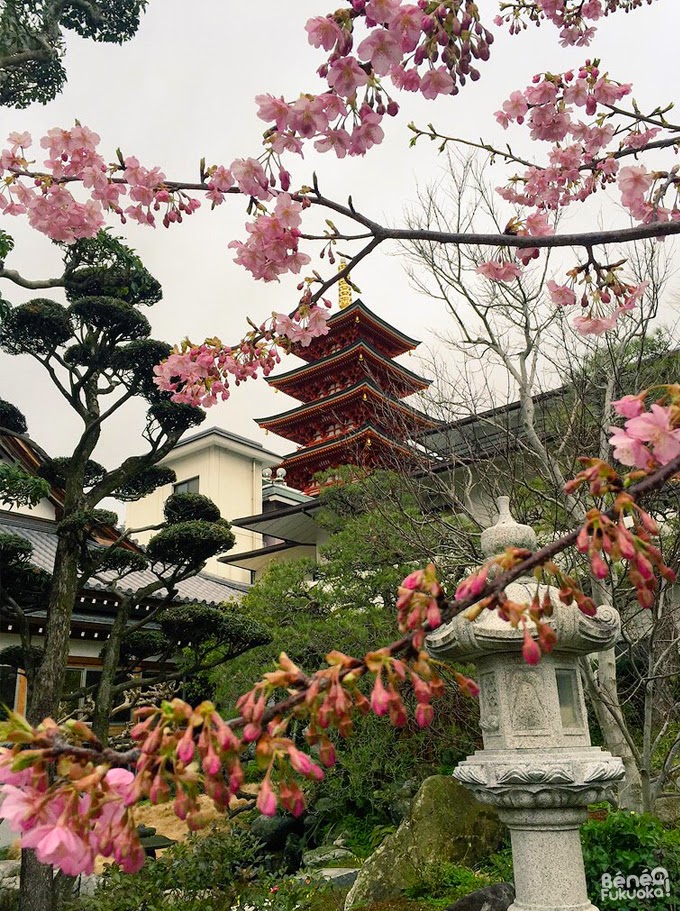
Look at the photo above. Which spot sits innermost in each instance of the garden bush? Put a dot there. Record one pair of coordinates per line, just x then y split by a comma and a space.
630, 844
219, 871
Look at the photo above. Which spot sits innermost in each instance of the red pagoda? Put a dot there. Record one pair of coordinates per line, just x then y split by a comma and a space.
352, 392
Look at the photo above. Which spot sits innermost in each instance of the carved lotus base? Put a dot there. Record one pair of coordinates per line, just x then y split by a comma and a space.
542, 779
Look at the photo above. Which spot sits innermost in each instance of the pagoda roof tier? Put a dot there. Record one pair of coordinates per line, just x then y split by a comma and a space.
355, 322
367, 446
353, 406
345, 368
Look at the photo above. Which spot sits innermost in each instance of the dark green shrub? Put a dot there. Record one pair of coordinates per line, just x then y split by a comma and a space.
448, 882
112, 316
144, 482
172, 416
190, 542
184, 507
11, 418
36, 327
206, 871
55, 471
629, 844
141, 645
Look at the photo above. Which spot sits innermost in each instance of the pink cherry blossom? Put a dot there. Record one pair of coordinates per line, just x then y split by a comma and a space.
250, 177
345, 76
382, 10
274, 109
629, 450
436, 82
381, 49
499, 271
323, 31
630, 406
654, 427
406, 26
561, 295
595, 325
634, 181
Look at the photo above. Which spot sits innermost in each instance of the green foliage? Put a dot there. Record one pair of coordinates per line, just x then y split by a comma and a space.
110, 316
11, 418
204, 873
88, 518
173, 417
15, 656
56, 471
105, 266
212, 627
135, 361
144, 482
6, 244
142, 645
630, 844
18, 488
14, 548
445, 883
190, 542
184, 507
37, 327
33, 45
120, 560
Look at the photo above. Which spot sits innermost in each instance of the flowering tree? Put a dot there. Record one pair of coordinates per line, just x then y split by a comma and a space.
595, 142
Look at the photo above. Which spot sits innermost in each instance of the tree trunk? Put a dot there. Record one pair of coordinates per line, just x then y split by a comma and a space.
603, 692
38, 891
103, 701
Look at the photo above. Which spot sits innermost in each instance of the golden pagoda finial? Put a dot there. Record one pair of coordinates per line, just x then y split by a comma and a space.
344, 290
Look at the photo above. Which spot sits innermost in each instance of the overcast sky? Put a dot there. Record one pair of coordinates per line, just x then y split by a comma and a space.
184, 87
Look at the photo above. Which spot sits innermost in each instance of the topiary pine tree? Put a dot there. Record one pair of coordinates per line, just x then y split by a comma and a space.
32, 41
98, 352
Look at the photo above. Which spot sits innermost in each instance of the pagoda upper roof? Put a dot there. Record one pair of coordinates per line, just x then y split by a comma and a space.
344, 441
293, 382
357, 318
284, 424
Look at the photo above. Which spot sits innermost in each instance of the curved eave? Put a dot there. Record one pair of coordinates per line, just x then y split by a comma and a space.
331, 362
402, 342
342, 442
295, 415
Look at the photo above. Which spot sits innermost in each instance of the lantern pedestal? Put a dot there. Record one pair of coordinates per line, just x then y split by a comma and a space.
537, 766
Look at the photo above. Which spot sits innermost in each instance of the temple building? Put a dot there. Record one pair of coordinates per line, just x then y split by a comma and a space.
352, 393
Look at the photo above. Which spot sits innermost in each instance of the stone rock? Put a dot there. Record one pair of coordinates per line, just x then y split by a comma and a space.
326, 855
340, 877
668, 810
445, 824
9, 869
498, 897
273, 831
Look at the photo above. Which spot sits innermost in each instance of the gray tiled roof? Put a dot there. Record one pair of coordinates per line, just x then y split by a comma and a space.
204, 587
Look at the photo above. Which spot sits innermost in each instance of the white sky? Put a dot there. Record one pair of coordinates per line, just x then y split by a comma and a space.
184, 87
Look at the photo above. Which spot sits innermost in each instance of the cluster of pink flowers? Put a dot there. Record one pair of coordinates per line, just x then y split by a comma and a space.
199, 374
69, 826
648, 438
571, 17
603, 298
427, 47
602, 538
418, 603
272, 246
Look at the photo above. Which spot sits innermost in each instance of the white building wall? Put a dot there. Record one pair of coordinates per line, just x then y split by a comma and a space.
229, 472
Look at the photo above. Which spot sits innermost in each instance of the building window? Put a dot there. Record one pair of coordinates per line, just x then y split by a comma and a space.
188, 486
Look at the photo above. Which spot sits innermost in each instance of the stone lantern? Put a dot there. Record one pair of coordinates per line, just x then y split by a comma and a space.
537, 766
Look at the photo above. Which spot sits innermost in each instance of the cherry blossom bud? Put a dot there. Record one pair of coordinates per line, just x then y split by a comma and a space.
266, 799
530, 650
